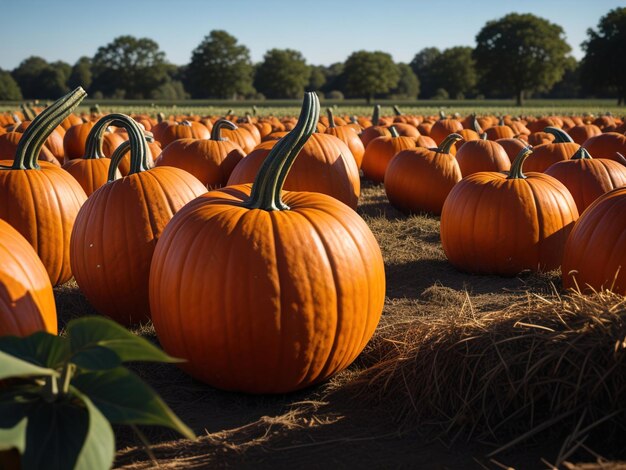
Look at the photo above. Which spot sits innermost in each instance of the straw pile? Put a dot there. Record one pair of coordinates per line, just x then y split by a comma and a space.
538, 369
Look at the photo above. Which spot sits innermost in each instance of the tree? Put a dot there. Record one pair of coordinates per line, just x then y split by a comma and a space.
604, 64
421, 65
219, 67
9, 89
170, 90
335, 78
408, 85
135, 66
569, 86
282, 74
317, 79
455, 71
520, 53
52, 83
27, 76
63, 68
370, 73
81, 74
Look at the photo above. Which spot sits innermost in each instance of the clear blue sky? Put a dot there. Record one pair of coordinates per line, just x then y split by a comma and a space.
324, 31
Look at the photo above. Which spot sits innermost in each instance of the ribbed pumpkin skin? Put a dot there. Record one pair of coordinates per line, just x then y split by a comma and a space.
512, 147
115, 235
588, 179
606, 145
75, 139
211, 161
324, 165
349, 137
26, 298
545, 155
378, 154
443, 128
595, 253
266, 302
90, 173
482, 155
494, 225
419, 180
43, 206
583, 132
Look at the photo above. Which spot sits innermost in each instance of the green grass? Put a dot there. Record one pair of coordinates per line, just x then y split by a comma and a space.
358, 107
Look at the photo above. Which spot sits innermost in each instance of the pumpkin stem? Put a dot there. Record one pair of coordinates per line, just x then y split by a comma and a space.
442, 115
254, 110
138, 146
216, 132
516, 167
28, 112
396, 110
393, 131
483, 136
581, 154
119, 153
353, 119
501, 121
331, 118
561, 137
376, 115
41, 127
476, 126
160, 117
447, 143
268, 184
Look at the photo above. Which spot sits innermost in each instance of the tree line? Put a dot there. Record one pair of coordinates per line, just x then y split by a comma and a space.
518, 55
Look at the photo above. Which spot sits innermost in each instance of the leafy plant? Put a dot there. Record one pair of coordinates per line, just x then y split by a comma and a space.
58, 395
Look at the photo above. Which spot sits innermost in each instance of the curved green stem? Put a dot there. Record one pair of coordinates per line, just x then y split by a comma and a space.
218, 126
269, 182
29, 114
160, 117
119, 153
501, 121
254, 110
137, 139
442, 115
447, 143
393, 131
476, 126
581, 154
396, 110
376, 115
41, 127
560, 136
516, 168
483, 136
331, 118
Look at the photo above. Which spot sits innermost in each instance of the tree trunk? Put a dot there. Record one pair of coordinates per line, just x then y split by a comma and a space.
519, 99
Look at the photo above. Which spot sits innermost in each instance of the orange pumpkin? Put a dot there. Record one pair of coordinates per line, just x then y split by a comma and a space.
348, 136
306, 300
185, 130
544, 155
606, 145
75, 139
379, 153
443, 128
482, 155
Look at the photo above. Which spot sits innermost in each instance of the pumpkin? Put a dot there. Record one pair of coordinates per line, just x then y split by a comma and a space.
419, 179
210, 160
588, 178
75, 139
501, 131
348, 136
606, 145
117, 229
325, 165
10, 141
41, 202
482, 155
375, 130
512, 147
492, 223
595, 254
379, 153
26, 297
172, 131
582, 132
544, 155
443, 128
282, 289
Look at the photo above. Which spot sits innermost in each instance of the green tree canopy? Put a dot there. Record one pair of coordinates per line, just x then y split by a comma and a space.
219, 68
27, 76
81, 74
63, 68
455, 71
134, 67
317, 79
370, 73
520, 53
604, 64
421, 65
9, 89
52, 82
282, 74
408, 84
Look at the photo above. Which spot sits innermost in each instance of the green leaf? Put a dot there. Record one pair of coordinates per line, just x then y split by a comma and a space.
68, 434
40, 348
125, 399
87, 332
16, 402
96, 358
15, 437
16, 367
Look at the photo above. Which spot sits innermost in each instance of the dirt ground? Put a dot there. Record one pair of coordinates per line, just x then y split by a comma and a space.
324, 427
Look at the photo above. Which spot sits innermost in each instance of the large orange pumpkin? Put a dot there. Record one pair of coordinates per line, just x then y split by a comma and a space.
26, 297
42, 202
497, 224
348, 136
265, 291
544, 155
482, 155
118, 227
606, 145
380, 151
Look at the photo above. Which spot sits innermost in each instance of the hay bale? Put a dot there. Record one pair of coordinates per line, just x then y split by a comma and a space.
549, 368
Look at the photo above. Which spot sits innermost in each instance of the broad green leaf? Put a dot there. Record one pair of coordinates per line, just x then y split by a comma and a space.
96, 358
125, 399
16, 402
41, 348
88, 332
68, 434
15, 437
16, 367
